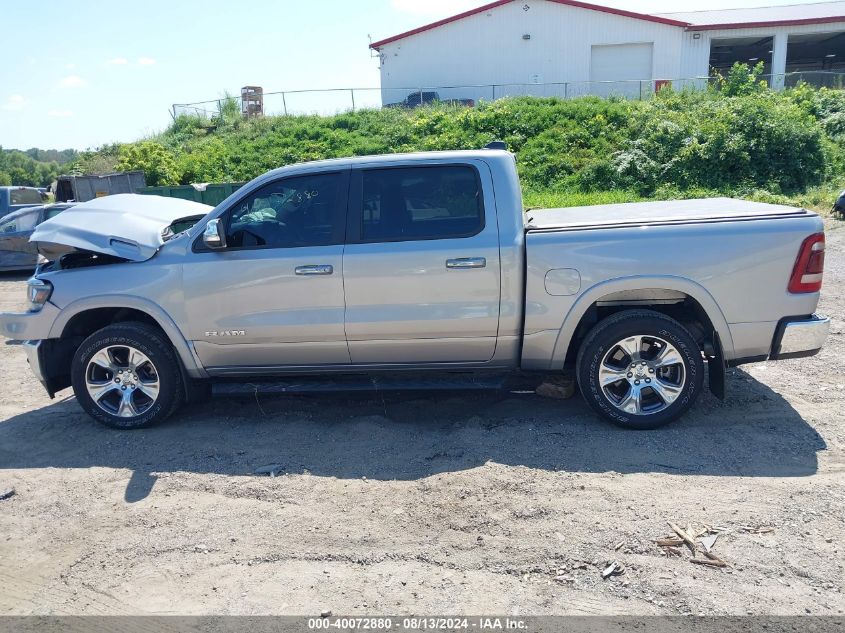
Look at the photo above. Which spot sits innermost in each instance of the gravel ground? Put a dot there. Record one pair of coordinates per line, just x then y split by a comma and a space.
429, 503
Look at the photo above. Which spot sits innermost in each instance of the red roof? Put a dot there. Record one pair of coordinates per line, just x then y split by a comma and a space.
499, 3
766, 24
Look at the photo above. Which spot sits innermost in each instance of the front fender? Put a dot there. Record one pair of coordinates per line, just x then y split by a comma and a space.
636, 282
183, 348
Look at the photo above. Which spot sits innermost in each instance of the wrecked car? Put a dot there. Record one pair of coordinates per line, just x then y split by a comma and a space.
413, 271
16, 251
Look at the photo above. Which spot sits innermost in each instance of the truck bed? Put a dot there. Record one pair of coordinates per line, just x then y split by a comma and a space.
656, 213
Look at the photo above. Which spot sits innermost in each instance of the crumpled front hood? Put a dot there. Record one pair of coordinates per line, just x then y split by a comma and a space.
128, 226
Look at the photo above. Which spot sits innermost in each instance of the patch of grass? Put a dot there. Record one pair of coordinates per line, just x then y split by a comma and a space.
819, 199
559, 199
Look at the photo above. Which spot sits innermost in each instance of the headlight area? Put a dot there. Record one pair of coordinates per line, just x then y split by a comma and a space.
38, 292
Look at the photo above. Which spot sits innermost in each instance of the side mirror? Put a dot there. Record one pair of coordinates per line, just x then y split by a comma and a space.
214, 236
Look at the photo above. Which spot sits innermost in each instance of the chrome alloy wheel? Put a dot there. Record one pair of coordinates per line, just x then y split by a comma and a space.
122, 381
642, 375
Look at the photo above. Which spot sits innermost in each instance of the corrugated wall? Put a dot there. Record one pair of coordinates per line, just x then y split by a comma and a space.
488, 48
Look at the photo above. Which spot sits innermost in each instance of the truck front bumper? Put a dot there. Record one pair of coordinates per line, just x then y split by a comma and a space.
799, 337
28, 326
33, 328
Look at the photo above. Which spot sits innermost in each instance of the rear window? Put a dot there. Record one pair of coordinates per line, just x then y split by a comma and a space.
421, 203
25, 196
52, 212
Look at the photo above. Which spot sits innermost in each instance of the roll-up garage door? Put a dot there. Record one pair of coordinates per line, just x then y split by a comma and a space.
627, 68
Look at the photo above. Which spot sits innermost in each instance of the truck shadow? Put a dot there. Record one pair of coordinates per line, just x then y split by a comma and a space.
756, 433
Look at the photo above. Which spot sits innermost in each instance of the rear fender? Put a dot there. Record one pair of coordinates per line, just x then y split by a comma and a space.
668, 282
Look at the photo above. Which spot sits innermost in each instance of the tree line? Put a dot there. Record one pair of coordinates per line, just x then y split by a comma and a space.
33, 167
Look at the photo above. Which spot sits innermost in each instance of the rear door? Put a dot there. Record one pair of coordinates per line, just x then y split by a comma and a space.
422, 266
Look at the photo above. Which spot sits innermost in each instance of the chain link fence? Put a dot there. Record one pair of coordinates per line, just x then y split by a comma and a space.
336, 100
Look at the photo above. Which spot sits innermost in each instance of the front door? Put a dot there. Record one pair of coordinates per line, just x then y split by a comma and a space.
273, 297
15, 248
421, 267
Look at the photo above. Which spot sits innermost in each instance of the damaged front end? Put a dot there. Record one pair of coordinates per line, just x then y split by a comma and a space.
75, 259
118, 229
57, 257
113, 229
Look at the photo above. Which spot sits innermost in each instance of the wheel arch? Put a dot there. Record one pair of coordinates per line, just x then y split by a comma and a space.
105, 310
640, 292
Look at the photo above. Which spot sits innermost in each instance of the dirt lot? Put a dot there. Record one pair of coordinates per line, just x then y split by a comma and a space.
429, 503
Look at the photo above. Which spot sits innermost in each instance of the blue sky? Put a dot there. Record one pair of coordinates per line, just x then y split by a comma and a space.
96, 71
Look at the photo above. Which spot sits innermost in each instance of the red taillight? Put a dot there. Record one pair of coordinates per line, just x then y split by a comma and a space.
807, 274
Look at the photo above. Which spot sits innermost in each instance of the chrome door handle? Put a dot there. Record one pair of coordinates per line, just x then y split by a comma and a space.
319, 269
466, 262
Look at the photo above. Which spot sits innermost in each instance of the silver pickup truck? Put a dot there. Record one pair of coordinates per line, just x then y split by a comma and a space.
413, 270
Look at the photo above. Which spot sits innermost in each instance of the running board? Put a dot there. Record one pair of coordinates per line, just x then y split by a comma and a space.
394, 382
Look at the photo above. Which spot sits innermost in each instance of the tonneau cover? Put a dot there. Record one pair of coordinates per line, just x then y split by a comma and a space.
645, 213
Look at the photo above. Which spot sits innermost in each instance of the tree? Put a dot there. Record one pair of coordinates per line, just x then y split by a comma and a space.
20, 169
101, 161
154, 159
742, 80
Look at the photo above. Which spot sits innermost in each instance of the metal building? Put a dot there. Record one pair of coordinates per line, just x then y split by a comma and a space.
571, 48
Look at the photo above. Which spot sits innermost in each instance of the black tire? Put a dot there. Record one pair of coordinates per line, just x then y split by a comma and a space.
602, 340
152, 343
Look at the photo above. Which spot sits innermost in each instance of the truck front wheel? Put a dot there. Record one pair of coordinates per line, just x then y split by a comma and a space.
127, 376
640, 369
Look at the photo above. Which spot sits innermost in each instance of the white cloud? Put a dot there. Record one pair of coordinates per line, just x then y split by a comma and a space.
60, 114
118, 61
72, 81
434, 8
14, 103
70, 66
146, 61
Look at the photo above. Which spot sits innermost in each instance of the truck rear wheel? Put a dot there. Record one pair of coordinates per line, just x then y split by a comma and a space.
127, 376
640, 369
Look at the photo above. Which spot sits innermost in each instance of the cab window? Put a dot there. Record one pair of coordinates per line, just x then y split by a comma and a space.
25, 196
293, 212
421, 203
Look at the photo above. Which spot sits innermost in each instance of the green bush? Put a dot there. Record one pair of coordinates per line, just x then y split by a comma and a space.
737, 137
722, 143
742, 81
157, 163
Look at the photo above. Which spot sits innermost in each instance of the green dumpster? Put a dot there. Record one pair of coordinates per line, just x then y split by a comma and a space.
211, 194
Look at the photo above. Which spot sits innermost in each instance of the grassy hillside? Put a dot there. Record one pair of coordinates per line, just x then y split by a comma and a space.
739, 139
